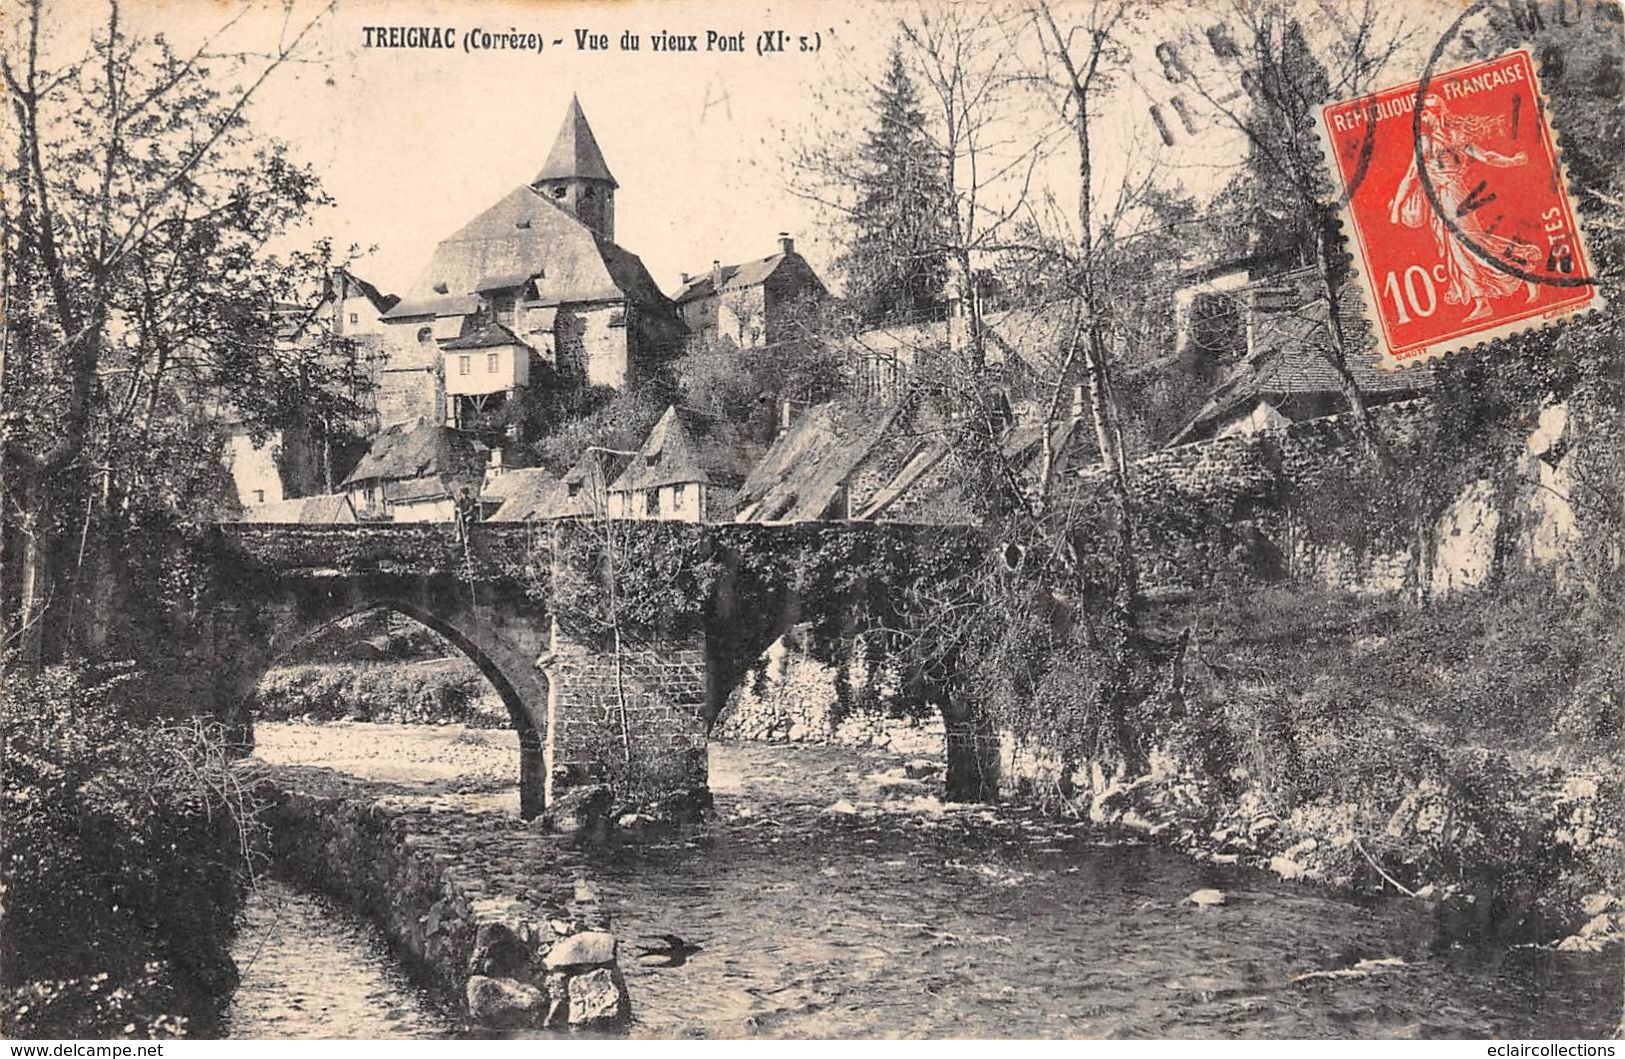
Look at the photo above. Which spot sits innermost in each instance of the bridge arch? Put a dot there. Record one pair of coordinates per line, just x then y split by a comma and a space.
503, 641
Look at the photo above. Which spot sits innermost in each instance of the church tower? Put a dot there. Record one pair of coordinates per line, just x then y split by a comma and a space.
575, 176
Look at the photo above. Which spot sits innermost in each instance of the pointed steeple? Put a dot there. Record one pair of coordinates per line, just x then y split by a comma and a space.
575, 154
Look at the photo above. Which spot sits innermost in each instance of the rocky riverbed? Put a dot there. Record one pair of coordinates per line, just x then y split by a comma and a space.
833, 893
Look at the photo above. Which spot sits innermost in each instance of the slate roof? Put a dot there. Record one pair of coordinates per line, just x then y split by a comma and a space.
684, 447
434, 304
575, 152
528, 493
525, 233
488, 335
748, 274
804, 471
429, 487
325, 509
380, 301
419, 449
1287, 362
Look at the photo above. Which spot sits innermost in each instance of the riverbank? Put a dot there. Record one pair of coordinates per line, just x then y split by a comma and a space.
1466, 754
495, 918
830, 893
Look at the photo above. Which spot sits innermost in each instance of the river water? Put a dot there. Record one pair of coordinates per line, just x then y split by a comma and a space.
312, 969
831, 897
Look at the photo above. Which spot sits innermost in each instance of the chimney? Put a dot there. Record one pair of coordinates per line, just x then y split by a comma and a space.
1077, 402
683, 278
787, 245
716, 275
786, 412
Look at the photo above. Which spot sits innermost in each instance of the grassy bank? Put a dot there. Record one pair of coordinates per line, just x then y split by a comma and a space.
1467, 751
128, 847
436, 691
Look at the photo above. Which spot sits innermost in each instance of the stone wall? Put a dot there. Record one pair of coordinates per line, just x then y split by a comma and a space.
792, 699
481, 908
632, 719
1234, 509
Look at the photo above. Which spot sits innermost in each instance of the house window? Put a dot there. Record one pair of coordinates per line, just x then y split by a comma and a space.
464, 365
259, 496
574, 488
354, 318
425, 333
677, 497
651, 503
491, 363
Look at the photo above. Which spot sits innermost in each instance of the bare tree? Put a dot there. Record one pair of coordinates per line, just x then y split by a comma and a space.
1278, 80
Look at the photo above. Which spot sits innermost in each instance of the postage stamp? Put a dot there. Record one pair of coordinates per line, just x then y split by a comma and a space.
1457, 209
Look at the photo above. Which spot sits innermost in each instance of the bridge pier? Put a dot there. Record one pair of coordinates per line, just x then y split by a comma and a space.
629, 714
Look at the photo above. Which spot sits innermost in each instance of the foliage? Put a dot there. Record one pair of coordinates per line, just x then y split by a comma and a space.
895, 263
128, 852
746, 385
146, 311
617, 420
1445, 731
442, 691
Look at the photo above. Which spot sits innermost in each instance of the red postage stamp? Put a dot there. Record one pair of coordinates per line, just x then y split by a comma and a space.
1457, 209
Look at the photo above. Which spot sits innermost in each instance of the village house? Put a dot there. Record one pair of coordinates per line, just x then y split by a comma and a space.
1282, 374
687, 470
533, 494
414, 472
750, 304
535, 278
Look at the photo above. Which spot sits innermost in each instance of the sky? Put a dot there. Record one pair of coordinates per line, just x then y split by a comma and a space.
413, 142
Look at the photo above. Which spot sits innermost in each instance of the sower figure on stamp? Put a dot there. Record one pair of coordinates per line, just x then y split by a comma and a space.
1449, 144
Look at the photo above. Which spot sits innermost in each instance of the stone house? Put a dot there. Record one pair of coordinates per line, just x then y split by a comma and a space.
687, 470
750, 304
542, 264
412, 472
1283, 376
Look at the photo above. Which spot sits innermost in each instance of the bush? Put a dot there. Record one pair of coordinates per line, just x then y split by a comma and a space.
1449, 741
445, 691
128, 852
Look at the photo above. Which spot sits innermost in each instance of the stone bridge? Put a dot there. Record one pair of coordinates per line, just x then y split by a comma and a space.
628, 709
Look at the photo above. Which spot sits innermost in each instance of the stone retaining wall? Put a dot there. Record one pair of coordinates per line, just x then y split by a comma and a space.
485, 911
793, 700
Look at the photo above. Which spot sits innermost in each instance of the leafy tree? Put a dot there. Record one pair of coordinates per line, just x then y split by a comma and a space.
896, 264
144, 311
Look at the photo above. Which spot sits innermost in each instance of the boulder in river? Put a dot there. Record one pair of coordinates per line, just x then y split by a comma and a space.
579, 809
587, 949
595, 998
1206, 898
505, 1003
498, 951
